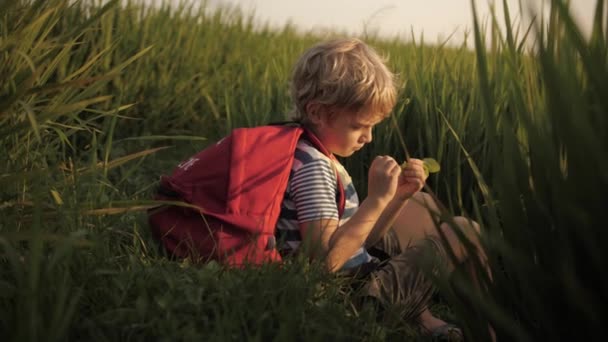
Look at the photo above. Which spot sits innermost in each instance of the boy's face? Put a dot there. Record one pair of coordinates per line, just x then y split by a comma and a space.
346, 132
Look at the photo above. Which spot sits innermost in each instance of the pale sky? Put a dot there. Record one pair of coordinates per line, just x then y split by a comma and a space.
436, 18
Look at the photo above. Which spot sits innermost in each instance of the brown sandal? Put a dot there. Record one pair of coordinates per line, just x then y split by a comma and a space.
447, 332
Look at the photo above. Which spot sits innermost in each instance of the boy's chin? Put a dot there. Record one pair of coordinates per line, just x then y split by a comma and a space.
344, 154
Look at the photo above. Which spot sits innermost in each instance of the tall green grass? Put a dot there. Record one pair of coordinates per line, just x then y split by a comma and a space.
98, 98
550, 181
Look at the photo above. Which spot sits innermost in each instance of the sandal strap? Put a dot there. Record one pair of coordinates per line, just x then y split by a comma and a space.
447, 332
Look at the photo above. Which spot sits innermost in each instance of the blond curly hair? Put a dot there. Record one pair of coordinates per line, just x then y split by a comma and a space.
342, 73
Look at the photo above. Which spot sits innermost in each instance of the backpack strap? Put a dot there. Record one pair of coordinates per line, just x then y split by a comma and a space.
317, 144
285, 123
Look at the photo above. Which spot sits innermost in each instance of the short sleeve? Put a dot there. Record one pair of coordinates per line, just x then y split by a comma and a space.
313, 188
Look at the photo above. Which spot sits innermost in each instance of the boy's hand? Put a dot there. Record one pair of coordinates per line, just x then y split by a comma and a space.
411, 180
383, 178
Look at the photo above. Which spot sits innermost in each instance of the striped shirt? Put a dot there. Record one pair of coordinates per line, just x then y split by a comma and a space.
312, 194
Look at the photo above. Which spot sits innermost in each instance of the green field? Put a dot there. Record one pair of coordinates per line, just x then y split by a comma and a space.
97, 99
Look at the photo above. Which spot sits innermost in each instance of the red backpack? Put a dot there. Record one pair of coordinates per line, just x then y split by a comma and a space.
238, 186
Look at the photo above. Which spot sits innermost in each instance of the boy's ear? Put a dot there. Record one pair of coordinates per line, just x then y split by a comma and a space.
315, 112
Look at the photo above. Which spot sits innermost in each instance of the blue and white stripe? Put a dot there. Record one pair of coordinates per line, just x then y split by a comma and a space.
311, 194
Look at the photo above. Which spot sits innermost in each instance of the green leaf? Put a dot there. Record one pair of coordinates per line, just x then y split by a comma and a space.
429, 165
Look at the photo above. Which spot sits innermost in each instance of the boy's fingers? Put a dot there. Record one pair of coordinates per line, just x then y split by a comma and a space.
410, 167
415, 161
387, 161
395, 169
384, 161
414, 177
417, 172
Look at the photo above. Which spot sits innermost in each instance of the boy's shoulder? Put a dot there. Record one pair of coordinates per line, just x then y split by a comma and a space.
306, 153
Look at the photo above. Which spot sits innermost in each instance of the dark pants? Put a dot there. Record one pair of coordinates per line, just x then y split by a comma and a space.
399, 279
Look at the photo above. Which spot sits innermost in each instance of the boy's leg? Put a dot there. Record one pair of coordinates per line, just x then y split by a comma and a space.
401, 282
415, 223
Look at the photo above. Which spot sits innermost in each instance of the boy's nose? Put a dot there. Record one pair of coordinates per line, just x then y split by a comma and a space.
367, 137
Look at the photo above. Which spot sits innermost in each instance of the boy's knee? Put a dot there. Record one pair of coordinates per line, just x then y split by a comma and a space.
470, 229
448, 233
425, 200
468, 226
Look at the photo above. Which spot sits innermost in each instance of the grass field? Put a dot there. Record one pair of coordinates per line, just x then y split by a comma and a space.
97, 99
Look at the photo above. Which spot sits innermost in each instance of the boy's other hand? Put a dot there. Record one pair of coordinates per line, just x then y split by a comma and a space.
383, 178
411, 180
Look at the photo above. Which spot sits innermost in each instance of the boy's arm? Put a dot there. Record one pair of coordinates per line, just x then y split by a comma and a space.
386, 220
337, 245
411, 181
324, 239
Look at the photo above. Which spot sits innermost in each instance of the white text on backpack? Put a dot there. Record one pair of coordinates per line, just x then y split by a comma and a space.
187, 164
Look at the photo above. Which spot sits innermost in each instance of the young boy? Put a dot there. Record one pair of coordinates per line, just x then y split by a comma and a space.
342, 89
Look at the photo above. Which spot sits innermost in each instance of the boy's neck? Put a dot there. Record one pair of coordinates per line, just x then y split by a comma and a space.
312, 135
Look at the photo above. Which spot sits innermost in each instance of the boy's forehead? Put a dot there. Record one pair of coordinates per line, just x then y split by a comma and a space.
369, 117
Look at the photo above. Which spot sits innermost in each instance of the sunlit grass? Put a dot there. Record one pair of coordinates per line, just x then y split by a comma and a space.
97, 100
